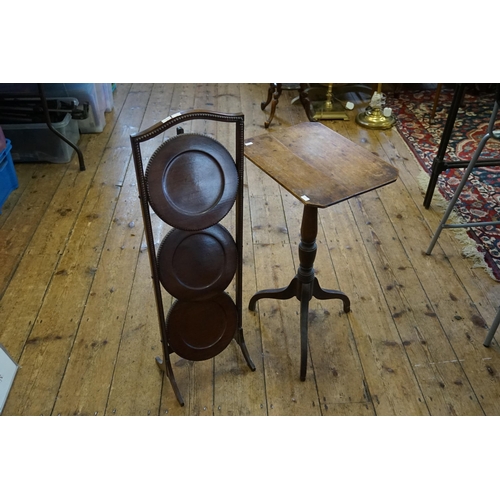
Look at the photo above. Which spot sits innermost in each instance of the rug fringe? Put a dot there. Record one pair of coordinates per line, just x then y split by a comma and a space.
469, 249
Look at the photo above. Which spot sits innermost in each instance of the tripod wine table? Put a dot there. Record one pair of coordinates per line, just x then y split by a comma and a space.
320, 168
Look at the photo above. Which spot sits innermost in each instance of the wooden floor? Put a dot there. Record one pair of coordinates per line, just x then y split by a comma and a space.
77, 310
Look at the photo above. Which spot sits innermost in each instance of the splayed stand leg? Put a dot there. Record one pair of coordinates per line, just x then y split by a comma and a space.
166, 367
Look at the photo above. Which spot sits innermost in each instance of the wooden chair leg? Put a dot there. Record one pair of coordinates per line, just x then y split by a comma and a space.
270, 92
436, 100
274, 103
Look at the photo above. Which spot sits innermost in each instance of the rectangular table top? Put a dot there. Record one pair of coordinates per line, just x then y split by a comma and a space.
317, 165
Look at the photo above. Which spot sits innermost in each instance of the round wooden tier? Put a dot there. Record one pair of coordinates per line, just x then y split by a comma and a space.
199, 330
194, 264
192, 182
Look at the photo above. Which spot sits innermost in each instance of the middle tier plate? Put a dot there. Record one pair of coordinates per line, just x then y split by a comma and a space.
194, 264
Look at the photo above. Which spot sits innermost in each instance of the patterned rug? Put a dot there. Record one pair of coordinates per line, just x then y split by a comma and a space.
480, 199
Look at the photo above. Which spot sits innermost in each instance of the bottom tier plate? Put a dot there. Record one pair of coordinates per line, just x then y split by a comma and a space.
199, 330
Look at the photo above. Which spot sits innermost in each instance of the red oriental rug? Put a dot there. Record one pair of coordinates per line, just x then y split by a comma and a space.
480, 199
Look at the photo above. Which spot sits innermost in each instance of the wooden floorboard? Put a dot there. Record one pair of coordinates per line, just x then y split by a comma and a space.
77, 311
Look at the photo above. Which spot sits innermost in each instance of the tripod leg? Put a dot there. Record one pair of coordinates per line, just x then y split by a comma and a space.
280, 293
304, 326
325, 294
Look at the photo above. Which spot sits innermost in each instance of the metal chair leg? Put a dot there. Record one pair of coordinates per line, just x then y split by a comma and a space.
456, 195
492, 330
491, 133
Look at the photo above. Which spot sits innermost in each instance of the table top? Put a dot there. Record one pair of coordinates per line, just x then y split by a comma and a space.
317, 165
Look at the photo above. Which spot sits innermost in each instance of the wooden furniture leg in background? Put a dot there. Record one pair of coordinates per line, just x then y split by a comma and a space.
436, 100
273, 96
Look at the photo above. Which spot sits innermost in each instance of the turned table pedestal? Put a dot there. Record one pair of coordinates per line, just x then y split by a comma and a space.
320, 168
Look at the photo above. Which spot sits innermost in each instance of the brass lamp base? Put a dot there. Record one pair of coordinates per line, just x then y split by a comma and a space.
373, 118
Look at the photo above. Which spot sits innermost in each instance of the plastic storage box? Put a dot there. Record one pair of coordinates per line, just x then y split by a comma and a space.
3, 144
35, 142
95, 94
8, 177
107, 90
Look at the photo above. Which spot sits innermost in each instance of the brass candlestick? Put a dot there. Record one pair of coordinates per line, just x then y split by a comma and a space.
325, 110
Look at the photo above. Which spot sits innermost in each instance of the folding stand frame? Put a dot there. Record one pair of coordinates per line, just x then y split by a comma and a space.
145, 198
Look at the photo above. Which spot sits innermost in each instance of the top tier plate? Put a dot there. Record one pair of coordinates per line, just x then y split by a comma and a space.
192, 181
